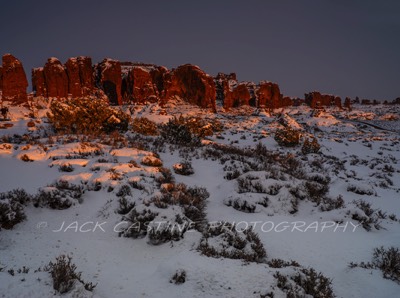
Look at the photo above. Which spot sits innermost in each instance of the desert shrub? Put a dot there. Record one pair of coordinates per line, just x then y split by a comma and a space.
385, 259
176, 132
64, 275
125, 206
137, 223
388, 261
316, 191
165, 233
231, 243
26, 158
66, 167
53, 198
17, 195
241, 205
369, 217
59, 195
198, 126
124, 191
179, 277
144, 126
12, 208
360, 190
310, 147
165, 177
114, 174
329, 204
287, 137
183, 168
279, 263
306, 282
191, 199
151, 161
86, 116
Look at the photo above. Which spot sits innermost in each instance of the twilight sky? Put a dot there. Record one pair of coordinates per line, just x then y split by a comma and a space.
348, 48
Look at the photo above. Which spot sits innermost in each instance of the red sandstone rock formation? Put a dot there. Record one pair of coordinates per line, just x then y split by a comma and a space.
158, 73
80, 76
38, 82
191, 84
109, 78
269, 95
239, 96
316, 100
1, 78
138, 85
56, 79
347, 103
13, 81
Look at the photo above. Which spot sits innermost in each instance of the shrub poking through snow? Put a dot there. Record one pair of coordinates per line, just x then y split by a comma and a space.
367, 216
287, 137
183, 168
385, 259
360, 189
176, 132
226, 240
151, 161
26, 158
179, 277
310, 147
66, 167
137, 223
12, 208
241, 205
86, 116
60, 195
191, 199
125, 206
306, 282
166, 232
124, 191
64, 275
144, 126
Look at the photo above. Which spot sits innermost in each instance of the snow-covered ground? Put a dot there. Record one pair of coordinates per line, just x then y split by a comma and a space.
261, 190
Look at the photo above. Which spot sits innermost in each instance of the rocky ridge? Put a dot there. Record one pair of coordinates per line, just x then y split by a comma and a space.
128, 82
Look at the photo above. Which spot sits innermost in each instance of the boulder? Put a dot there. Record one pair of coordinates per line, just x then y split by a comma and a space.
56, 78
191, 84
109, 79
13, 81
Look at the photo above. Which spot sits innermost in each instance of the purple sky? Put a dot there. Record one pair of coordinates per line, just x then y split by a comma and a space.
348, 48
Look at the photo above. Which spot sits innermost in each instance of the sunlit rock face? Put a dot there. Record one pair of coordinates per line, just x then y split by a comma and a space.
191, 84
13, 82
109, 79
80, 76
1, 78
316, 99
269, 95
56, 79
239, 96
140, 83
